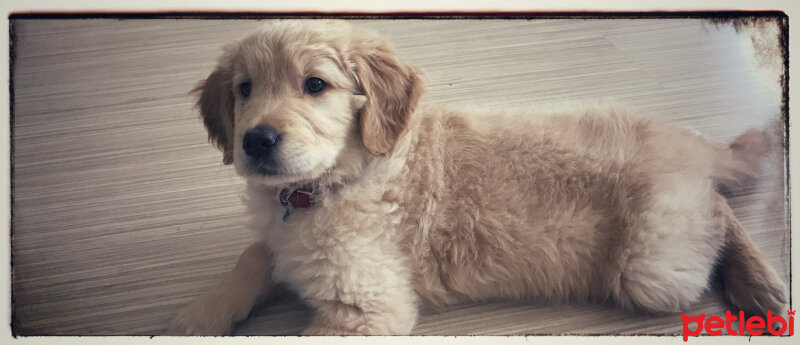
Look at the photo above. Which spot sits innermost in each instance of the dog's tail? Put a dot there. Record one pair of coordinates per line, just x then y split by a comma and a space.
742, 159
750, 283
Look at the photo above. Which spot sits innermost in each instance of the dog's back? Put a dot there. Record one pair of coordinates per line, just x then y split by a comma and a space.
566, 207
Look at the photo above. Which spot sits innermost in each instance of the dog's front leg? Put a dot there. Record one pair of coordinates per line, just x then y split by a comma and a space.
371, 296
339, 318
216, 312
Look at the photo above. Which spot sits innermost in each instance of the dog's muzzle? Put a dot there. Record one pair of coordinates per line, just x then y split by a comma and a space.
260, 144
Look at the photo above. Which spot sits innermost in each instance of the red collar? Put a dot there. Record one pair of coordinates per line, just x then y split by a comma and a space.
297, 198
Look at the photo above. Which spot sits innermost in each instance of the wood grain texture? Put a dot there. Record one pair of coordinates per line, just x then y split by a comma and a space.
123, 213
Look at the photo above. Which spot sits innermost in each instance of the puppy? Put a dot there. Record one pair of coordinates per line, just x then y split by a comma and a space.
368, 204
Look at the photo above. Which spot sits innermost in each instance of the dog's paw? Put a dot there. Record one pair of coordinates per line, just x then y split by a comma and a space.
205, 316
316, 330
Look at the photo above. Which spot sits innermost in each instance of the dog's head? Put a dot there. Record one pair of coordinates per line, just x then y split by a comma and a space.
293, 98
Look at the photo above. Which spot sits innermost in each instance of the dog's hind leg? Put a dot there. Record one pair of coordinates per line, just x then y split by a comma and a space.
672, 250
216, 312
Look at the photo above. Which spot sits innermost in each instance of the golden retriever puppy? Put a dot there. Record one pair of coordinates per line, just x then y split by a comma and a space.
368, 204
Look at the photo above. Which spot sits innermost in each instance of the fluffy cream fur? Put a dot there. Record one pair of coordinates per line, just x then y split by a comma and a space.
433, 205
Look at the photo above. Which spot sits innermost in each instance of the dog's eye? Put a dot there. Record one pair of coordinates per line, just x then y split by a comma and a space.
244, 89
315, 85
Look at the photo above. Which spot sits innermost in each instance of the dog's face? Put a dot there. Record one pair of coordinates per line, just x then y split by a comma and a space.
294, 99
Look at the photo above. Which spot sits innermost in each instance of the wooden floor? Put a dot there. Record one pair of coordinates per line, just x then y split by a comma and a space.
122, 213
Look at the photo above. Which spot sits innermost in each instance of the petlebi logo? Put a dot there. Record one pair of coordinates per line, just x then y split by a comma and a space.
754, 325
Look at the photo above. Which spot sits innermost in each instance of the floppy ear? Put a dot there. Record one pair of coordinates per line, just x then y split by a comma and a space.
215, 101
393, 90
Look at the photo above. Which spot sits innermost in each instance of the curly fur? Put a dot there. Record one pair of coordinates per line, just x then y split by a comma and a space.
420, 204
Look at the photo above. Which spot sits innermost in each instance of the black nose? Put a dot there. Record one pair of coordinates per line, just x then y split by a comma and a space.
260, 141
